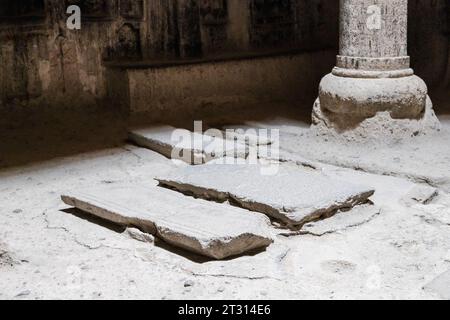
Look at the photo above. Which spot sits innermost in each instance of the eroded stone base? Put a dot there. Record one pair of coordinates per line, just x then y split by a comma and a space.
381, 127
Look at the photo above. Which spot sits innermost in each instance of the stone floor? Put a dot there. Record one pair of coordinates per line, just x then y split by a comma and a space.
49, 251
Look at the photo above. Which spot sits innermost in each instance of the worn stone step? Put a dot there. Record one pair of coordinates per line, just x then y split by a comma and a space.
294, 195
210, 229
181, 144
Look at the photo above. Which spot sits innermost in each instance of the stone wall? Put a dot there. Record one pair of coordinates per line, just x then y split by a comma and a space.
240, 87
43, 65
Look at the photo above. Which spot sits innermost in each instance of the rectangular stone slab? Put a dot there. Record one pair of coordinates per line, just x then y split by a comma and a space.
195, 149
210, 229
294, 196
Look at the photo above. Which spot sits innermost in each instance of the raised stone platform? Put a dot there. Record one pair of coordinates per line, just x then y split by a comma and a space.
210, 229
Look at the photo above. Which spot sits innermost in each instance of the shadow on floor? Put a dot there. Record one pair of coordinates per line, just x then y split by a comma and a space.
95, 220
33, 136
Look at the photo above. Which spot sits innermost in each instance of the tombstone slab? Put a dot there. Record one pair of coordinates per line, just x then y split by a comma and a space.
293, 195
192, 148
210, 229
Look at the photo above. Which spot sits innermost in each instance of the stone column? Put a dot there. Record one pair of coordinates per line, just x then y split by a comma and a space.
372, 88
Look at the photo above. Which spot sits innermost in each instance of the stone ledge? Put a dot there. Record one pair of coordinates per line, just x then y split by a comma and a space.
168, 63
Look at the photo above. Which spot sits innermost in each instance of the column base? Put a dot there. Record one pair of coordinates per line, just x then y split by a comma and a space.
381, 127
403, 97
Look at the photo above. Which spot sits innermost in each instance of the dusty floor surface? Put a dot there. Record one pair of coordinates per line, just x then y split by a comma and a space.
48, 251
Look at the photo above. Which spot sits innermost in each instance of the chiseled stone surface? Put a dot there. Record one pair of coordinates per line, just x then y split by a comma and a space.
293, 196
210, 229
182, 144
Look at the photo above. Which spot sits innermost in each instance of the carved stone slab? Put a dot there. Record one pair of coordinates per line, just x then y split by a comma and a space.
207, 228
293, 195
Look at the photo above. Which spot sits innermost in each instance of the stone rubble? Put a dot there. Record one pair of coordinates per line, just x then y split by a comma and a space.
138, 235
342, 221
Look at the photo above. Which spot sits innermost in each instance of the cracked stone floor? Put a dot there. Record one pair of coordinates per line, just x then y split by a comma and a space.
49, 252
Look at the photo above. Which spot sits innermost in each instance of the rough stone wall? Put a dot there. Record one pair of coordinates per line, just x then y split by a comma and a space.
235, 87
45, 65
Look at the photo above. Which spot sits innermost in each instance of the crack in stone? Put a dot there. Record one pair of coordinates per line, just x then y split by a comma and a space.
218, 275
74, 238
283, 256
48, 223
431, 220
414, 178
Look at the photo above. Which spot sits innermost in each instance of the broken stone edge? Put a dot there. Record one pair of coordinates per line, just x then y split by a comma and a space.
279, 214
219, 248
330, 226
195, 156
